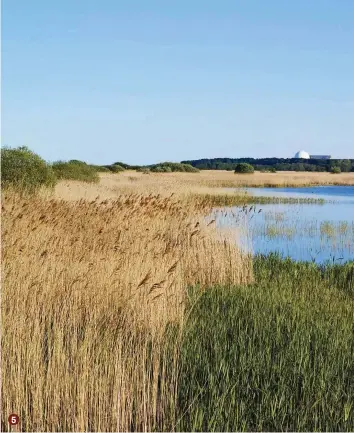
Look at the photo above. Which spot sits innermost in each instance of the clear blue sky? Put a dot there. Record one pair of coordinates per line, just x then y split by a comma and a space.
147, 81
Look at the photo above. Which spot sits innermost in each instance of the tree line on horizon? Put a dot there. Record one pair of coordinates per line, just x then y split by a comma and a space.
23, 168
274, 164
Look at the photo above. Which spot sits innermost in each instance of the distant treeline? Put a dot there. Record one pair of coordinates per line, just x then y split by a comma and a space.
278, 164
25, 170
161, 167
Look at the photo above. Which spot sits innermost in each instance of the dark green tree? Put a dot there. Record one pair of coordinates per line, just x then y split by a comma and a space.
243, 167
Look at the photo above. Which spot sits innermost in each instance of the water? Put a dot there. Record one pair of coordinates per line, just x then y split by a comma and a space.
310, 232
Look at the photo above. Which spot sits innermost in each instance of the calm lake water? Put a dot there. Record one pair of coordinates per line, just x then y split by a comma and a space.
312, 232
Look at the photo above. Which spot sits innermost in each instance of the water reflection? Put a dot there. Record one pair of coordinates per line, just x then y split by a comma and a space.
312, 232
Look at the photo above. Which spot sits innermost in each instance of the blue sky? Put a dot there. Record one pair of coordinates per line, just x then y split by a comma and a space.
147, 81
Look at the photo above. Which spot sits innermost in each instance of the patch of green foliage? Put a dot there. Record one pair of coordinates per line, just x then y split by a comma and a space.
126, 166
115, 168
75, 170
276, 355
160, 169
168, 167
76, 161
336, 170
122, 164
24, 170
100, 168
243, 167
145, 170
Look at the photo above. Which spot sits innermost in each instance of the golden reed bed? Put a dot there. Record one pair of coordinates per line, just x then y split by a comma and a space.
89, 286
92, 276
208, 181
279, 179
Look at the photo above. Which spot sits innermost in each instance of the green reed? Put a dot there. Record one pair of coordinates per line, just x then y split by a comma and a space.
275, 355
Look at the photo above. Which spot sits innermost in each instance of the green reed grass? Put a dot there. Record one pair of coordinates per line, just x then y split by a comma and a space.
273, 356
238, 199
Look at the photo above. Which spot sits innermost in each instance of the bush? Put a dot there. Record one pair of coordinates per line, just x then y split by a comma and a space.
335, 170
167, 167
25, 170
157, 169
243, 167
123, 165
144, 170
75, 170
115, 168
76, 161
161, 169
127, 166
100, 168
190, 169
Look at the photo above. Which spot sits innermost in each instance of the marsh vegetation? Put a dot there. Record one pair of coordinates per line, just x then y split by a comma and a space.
123, 308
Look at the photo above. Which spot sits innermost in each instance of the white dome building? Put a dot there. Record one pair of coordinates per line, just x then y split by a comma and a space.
302, 154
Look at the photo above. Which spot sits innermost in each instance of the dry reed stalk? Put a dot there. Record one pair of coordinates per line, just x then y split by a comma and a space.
89, 287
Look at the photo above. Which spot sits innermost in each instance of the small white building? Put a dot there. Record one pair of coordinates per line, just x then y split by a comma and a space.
302, 155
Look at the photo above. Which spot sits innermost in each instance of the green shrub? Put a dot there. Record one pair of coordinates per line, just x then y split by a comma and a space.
162, 168
144, 170
123, 165
167, 167
335, 170
76, 161
100, 168
190, 169
25, 170
115, 168
157, 169
76, 170
243, 167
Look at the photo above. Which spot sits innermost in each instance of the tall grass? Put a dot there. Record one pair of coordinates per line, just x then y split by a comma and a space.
219, 199
273, 356
89, 291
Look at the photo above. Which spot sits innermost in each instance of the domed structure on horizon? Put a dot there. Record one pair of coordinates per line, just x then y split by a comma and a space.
302, 154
